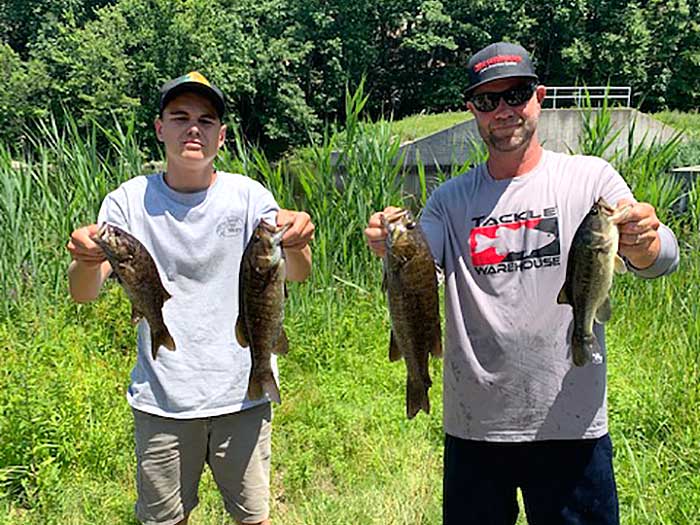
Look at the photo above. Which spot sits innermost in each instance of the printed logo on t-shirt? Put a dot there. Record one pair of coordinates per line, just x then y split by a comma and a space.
231, 226
512, 242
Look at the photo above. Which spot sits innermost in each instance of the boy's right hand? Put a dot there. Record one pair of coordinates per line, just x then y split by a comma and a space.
376, 233
83, 249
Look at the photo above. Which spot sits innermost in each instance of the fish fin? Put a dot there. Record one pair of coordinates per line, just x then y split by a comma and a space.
604, 312
161, 338
136, 316
394, 351
255, 389
583, 348
416, 397
563, 298
282, 346
268, 385
620, 266
436, 351
272, 390
439, 274
286, 295
240, 333
384, 282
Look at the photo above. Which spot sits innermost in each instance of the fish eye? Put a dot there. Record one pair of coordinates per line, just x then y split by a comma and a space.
411, 225
594, 210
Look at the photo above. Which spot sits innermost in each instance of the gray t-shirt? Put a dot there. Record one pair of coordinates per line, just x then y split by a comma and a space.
508, 373
197, 240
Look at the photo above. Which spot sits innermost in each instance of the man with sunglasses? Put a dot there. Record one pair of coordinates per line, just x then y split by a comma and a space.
517, 412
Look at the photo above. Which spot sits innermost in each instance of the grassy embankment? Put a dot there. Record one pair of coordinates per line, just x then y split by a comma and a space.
343, 451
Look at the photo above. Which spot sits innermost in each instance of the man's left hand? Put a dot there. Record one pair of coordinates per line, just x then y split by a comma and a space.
300, 233
639, 236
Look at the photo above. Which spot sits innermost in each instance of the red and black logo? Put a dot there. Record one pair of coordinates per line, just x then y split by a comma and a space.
498, 60
506, 244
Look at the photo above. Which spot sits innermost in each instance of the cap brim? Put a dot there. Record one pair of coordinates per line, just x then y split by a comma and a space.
199, 88
500, 77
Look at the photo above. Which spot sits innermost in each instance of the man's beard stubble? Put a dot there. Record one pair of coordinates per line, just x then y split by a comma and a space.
520, 137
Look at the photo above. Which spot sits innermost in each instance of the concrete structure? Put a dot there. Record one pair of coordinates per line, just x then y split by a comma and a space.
689, 176
558, 130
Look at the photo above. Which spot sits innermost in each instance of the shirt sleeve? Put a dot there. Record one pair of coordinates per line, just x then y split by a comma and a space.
265, 206
433, 226
113, 210
667, 260
614, 189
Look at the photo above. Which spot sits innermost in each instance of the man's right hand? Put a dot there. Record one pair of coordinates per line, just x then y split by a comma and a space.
376, 233
82, 248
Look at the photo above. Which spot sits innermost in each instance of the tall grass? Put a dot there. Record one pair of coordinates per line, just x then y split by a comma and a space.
339, 182
343, 451
645, 164
56, 185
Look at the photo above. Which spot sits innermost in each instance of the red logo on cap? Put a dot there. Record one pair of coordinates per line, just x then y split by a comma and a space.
499, 59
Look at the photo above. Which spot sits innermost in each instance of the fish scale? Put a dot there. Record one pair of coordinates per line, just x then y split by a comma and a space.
138, 275
261, 307
591, 264
411, 285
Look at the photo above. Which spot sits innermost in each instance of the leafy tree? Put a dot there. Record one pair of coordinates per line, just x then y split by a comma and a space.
674, 61
22, 21
22, 94
115, 63
284, 64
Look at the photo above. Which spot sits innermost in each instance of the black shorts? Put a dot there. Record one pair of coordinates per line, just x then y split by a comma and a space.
562, 482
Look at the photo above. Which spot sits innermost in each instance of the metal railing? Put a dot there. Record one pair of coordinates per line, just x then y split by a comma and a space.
578, 95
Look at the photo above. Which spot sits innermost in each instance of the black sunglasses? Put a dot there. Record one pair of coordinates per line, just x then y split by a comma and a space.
488, 101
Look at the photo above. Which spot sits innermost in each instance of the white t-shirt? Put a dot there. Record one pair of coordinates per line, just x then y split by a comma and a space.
197, 241
503, 244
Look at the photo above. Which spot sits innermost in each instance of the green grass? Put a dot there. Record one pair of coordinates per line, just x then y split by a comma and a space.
343, 451
416, 126
688, 122
342, 446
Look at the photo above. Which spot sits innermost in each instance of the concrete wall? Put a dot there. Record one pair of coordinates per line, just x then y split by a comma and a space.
558, 130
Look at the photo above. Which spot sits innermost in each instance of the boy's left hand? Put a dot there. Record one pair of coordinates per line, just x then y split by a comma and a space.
300, 233
639, 237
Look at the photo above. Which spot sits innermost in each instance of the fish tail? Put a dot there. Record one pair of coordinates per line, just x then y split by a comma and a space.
416, 397
161, 338
257, 386
583, 348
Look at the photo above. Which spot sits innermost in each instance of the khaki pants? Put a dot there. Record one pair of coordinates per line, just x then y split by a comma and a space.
171, 454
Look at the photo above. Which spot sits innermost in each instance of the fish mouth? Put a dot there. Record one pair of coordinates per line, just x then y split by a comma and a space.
272, 239
277, 237
616, 215
389, 220
604, 206
397, 224
102, 235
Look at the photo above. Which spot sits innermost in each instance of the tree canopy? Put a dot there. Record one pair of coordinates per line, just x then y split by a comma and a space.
284, 64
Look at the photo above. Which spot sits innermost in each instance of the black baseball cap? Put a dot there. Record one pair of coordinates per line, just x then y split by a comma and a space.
194, 82
497, 61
